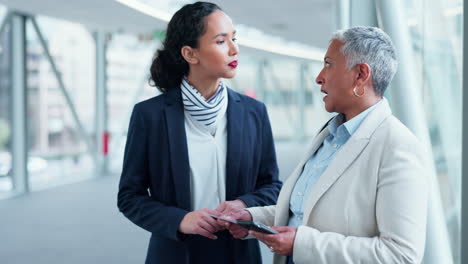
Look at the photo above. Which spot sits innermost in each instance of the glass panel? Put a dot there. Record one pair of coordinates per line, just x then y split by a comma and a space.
57, 152
436, 28
6, 185
128, 60
276, 82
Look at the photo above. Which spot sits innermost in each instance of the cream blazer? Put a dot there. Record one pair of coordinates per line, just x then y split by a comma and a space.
369, 205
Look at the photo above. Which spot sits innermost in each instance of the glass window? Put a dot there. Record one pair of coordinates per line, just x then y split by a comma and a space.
277, 83
57, 152
6, 185
128, 61
436, 31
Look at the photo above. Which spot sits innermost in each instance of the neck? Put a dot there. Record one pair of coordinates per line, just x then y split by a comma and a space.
363, 105
206, 86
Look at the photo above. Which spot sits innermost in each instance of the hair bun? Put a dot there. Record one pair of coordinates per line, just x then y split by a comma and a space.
185, 28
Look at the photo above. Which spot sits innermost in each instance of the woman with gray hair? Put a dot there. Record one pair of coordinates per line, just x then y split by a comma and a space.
360, 194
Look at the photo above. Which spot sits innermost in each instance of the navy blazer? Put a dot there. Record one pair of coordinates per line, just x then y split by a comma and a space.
154, 189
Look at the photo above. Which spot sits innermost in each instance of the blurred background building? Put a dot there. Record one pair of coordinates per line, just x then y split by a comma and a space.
70, 72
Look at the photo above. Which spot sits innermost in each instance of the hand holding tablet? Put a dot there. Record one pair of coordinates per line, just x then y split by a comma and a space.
250, 225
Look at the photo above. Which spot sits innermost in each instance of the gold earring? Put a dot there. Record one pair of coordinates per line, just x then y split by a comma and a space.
359, 95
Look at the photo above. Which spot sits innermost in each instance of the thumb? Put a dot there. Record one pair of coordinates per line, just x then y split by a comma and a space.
281, 229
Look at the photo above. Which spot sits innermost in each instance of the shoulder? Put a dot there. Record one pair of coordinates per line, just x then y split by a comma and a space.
403, 156
397, 131
151, 106
394, 137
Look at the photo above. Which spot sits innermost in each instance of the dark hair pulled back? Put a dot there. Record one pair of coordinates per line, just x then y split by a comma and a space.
184, 29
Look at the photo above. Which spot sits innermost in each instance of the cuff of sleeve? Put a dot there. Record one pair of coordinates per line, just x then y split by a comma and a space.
247, 199
260, 214
181, 236
256, 212
177, 219
302, 242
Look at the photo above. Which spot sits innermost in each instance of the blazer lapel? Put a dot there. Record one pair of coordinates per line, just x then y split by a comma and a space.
235, 122
349, 152
178, 147
339, 164
282, 208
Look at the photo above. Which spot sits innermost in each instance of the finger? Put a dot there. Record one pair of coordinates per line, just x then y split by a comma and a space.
210, 226
201, 231
264, 242
220, 224
269, 239
210, 211
281, 229
238, 228
257, 235
209, 219
240, 233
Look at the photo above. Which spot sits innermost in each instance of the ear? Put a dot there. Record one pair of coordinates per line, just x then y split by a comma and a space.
363, 73
190, 54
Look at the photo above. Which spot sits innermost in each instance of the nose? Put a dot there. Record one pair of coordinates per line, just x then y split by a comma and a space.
319, 79
233, 48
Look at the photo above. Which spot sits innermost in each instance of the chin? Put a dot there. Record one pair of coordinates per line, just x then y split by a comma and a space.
329, 108
229, 75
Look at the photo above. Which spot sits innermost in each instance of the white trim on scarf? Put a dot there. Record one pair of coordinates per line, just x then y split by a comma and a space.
204, 112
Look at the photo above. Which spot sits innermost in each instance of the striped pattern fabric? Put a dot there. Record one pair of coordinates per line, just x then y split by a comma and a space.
203, 111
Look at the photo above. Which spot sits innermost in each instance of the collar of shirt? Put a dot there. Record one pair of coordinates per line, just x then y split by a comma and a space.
338, 128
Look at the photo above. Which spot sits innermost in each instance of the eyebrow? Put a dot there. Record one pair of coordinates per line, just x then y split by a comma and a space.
224, 34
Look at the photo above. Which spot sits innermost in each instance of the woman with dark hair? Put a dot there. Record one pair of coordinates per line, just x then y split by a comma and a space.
197, 149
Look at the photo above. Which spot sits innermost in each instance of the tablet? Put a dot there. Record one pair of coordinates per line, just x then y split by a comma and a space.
250, 225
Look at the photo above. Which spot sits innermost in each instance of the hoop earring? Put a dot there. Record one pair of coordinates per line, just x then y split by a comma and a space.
359, 95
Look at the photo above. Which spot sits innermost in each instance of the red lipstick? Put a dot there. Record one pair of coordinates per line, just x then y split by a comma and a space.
233, 64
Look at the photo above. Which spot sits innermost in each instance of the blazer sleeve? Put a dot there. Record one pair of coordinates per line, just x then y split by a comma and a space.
134, 200
268, 184
401, 211
263, 214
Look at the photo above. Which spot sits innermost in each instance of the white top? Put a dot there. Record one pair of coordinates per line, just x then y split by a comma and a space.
207, 160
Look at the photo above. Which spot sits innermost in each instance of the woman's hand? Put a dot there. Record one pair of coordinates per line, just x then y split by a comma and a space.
236, 230
199, 222
227, 208
282, 243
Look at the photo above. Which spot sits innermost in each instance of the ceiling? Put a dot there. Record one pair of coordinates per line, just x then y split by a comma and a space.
96, 14
309, 22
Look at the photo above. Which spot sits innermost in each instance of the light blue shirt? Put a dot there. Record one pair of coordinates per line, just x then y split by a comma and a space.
339, 134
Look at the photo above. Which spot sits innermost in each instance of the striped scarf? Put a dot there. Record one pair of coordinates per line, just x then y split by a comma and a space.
203, 111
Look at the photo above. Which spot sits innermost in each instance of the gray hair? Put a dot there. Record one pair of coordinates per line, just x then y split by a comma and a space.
372, 46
